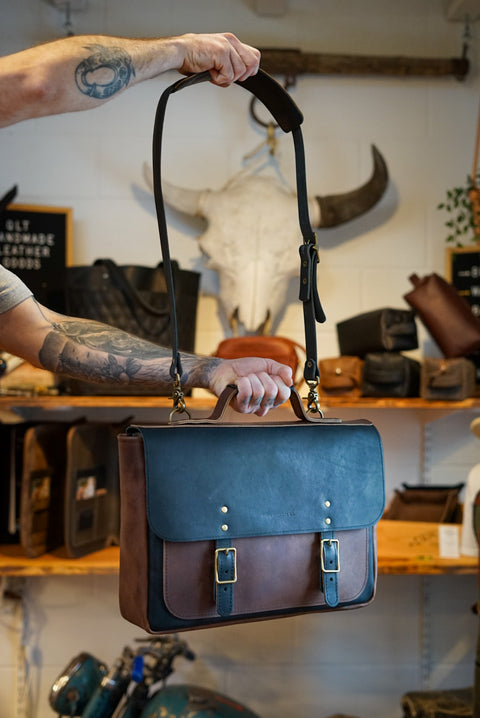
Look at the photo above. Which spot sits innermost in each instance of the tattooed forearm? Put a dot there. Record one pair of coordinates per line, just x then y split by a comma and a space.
105, 72
102, 337
95, 352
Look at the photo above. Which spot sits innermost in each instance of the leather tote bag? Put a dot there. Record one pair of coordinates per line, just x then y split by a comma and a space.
132, 298
234, 521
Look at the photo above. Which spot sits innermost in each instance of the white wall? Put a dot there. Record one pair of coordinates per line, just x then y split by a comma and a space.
418, 633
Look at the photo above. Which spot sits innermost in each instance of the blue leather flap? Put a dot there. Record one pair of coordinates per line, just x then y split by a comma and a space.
211, 482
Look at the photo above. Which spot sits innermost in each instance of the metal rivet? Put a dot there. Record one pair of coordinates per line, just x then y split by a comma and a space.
328, 521
224, 509
224, 527
327, 504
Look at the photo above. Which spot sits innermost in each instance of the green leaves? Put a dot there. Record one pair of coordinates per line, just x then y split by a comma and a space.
460, 224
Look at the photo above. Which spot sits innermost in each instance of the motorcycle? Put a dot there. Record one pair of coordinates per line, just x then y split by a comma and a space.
135, 686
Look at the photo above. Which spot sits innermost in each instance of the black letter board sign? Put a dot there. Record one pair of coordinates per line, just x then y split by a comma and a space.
463, 271
36, 244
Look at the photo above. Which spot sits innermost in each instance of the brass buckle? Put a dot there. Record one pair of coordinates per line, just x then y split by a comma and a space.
226, 551
179, 406
313, 404
322, 563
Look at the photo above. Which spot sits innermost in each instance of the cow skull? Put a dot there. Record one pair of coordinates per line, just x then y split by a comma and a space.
252, 235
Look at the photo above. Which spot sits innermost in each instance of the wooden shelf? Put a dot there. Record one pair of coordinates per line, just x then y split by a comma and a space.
29, 405
13, 562
404, 547
163, 402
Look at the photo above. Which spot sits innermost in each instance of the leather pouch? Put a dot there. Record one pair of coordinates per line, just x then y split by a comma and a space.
92, 495
446, 315
392, 330
430, 503
447, 379
341, 376
390, 375
43, 481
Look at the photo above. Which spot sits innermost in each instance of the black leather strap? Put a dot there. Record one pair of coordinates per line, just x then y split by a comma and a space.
289, 118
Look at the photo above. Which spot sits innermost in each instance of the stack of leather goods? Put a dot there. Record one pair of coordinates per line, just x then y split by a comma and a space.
378, 338
63, 487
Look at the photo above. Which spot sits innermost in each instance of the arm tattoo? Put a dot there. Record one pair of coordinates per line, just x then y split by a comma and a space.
96, 352
105, 72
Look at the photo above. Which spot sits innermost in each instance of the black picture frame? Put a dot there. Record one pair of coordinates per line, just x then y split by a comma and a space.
36, 244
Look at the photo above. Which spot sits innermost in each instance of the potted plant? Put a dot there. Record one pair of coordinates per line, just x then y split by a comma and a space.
462, 205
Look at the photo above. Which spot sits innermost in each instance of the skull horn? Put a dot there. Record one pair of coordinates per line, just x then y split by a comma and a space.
183, 200
335, 209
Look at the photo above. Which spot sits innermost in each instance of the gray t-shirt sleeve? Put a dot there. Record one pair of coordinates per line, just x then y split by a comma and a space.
12, 290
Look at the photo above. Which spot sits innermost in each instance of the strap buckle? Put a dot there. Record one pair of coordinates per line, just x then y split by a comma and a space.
226, 551
329, 541
313, 403
178, 397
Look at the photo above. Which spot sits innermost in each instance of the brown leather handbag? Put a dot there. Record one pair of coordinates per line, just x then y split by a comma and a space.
282, 349
228, 522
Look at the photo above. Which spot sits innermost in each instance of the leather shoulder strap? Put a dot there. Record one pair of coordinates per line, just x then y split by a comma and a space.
289, 118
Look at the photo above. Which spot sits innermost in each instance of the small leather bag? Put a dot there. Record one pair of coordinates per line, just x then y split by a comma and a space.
92, 494
447, 379
390, 375
427, 502
391, 330
228, 522
282, 349
447, 316
341, 376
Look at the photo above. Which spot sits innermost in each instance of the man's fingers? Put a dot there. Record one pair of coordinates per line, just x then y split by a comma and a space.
257, 393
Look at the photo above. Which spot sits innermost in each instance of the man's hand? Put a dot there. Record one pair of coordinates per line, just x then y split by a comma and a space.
227, 59
263, 384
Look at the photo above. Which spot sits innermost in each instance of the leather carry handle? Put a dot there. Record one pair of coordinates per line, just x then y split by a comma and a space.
277, 100
228, 395
289, 118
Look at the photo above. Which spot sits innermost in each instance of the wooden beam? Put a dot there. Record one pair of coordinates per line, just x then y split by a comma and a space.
292, 62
